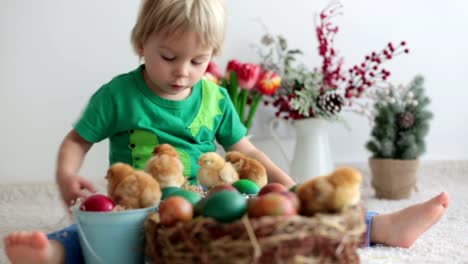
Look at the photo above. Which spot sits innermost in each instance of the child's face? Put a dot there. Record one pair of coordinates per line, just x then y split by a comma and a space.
174, 64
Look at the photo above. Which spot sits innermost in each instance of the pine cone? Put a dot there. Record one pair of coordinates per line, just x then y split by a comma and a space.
330, 102
406, 120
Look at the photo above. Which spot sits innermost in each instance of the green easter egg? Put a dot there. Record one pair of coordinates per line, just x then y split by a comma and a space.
192, 197
168, 190
246, 186
225, 206
198, 208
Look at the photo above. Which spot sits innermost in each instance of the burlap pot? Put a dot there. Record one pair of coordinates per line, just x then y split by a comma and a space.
393, 179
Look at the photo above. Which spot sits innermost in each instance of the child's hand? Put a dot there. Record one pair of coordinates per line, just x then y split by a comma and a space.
72, 186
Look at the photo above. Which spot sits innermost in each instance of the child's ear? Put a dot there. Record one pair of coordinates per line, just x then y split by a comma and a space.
140, 52
141, 58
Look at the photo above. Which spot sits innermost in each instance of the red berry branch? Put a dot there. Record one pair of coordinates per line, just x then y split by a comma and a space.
332, 73
366, 74
360, 76
330, 88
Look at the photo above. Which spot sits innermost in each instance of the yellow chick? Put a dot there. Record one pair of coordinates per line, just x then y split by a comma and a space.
248, 168
330, 193
214, 171
165, 166
132, 189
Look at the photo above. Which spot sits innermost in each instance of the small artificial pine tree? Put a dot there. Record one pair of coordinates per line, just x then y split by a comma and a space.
401, 122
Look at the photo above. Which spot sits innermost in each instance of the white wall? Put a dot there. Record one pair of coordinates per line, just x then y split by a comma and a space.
55, 54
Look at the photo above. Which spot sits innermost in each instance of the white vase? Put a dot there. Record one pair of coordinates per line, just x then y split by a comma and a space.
311, 156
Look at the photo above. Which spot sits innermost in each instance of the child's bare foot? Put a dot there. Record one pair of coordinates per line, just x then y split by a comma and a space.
402, 228
32, 247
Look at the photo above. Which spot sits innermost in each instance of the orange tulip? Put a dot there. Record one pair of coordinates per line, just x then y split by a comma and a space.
268, 82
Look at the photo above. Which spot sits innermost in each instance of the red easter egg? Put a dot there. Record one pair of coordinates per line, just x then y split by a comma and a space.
97, 203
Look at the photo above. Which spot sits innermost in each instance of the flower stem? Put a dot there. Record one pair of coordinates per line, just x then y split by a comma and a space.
232, 88
242, 101
257, 97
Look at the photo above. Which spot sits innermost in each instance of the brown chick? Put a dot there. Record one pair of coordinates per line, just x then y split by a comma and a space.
115, 175
248, 168
214, 171
330, 193
132, 189
165, 166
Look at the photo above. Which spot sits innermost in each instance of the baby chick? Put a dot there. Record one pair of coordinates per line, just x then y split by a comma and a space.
248, 168
165, 166
214, 171
330, 193
132, 189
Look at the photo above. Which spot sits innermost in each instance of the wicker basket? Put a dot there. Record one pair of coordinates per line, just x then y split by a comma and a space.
324, 238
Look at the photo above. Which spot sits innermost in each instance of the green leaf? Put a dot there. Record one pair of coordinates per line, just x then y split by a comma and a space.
373, 147
233, 87
282, 42
225, 84
241, 103
257, 98
295, 51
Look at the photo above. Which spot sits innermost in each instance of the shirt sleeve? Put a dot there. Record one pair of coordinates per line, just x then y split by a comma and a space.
231, 129
96, 121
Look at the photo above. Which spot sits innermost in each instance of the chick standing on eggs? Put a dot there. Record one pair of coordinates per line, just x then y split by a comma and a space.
165, 166
330, 193
132, 189
214, 171
248, 168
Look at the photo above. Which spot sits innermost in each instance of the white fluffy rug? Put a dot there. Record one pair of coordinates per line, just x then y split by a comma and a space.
37, 206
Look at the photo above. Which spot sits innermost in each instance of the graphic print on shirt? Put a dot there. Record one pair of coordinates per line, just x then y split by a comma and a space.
142, 144
185, 159
209, 108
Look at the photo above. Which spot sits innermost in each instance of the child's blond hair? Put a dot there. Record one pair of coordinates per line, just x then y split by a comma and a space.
205, 17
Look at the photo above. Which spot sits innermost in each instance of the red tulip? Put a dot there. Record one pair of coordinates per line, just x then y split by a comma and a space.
247, 73
268, 83
233, 65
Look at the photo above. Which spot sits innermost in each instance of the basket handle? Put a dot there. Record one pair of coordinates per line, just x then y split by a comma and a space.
86, 243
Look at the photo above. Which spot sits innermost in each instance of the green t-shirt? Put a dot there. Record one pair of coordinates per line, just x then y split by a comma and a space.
136, 120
